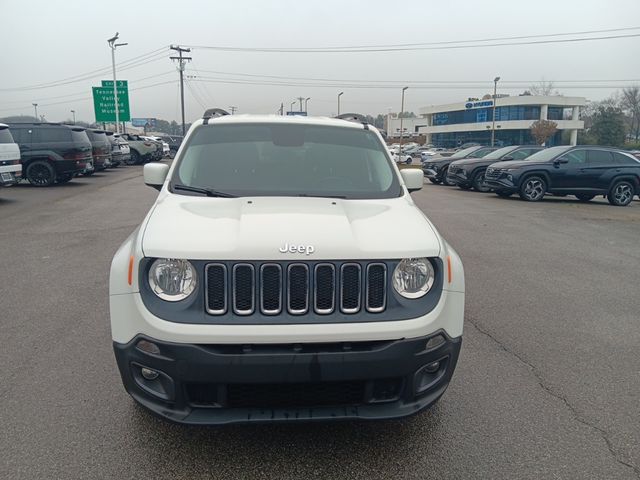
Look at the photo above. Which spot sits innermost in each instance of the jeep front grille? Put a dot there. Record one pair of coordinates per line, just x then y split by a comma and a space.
298, 288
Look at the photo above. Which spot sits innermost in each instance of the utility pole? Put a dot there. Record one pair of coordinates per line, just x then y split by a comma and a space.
113, 45
401, 117
74, 116
233, 109
493, 126
35, 107
181, 62
301, 99
281, 108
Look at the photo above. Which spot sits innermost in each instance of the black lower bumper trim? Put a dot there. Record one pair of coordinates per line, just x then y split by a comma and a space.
215, 384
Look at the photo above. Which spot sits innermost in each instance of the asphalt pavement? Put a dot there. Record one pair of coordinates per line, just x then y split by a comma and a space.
547, 385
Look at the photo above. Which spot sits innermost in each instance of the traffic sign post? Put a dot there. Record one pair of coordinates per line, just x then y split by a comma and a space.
104, 102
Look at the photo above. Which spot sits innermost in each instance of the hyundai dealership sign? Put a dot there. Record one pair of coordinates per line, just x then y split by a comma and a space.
484, 103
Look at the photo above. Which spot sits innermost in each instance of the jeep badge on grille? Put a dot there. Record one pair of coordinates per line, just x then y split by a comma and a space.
307, 249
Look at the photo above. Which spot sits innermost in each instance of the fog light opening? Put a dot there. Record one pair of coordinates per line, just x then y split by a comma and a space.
149, 374
432, 367
148, 347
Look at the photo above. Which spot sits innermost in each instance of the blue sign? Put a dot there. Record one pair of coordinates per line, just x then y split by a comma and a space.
484, 103
143, 122
304, 114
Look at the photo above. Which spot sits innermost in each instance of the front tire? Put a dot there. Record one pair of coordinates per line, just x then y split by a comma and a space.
435, 181
621, 193
533, 188
444, 178
40, 174
478, 183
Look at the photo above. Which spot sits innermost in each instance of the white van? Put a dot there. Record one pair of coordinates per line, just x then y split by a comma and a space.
10, 167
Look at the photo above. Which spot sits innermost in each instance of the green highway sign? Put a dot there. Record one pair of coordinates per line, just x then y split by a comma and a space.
121, 84
104, 103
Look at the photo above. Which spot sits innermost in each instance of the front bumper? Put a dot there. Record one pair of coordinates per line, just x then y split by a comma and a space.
222, 384
502, 184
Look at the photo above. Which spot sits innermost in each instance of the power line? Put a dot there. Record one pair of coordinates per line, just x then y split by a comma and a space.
478, 43
444, 86
122, 66
414, 82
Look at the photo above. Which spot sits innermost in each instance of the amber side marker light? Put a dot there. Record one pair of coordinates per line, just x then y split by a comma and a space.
130, 276
448, 268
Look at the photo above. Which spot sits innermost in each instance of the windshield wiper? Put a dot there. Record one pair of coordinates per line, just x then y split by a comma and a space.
321, 196
204, 191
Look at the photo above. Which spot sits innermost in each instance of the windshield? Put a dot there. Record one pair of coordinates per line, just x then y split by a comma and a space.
463, 153
547, 154
288, 160
498, 154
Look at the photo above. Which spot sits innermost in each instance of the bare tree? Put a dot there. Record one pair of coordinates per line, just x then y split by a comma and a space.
543, 130
630, 101
543, 88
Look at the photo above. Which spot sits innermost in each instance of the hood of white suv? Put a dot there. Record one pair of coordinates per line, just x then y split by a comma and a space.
286, 228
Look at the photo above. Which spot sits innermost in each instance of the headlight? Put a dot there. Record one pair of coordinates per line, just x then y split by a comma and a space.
413, 277
172, 279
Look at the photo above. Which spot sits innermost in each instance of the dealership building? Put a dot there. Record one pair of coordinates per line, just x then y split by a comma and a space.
472, 121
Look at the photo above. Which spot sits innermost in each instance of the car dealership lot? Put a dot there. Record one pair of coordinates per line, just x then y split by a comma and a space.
546, 385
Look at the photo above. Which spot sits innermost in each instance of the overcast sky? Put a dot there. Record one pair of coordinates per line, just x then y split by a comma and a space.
45, 42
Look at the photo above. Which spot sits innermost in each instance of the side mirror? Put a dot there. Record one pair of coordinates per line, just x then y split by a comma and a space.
558, 161
506, 159
413, 178
155, 174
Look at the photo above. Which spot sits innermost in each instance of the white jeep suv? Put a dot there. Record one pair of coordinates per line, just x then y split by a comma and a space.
267, 281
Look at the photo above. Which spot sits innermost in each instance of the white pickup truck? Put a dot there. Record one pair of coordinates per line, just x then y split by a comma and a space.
10, 167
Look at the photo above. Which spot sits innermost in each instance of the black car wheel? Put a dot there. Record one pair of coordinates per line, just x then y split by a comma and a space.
434, 181
478, 183
40, 173
134, 158
503, 193
584, 197
533, 188
64, 178
621, 193
444, 178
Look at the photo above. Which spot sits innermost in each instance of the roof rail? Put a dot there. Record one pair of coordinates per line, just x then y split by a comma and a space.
354, 117
213, 113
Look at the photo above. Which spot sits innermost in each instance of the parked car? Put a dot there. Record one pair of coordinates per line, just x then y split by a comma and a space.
101, 148
436, 169
583, 171
431, 152
10, 167
125, 150
404, 158
117, 153
174, 142
159, 152
469, 173
51, 152
284, 294
142, 151
165, 146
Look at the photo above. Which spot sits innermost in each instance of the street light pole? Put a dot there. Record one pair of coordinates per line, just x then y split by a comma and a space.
35, 107
113, 45
493, 126
401, 117
291, 106
73, 112
339, 95
306, 101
